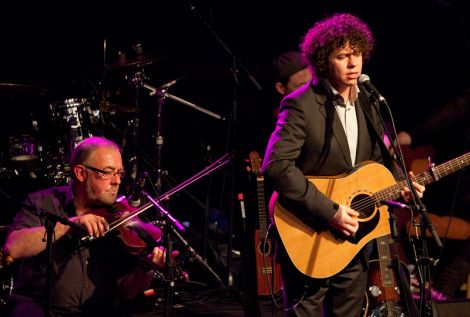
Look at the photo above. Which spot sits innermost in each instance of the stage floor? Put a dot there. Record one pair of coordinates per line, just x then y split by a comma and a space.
212, 303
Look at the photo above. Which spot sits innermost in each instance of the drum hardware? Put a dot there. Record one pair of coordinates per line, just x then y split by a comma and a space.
23, 148
6, 275
162, 93
115, 108
139, 62
14, 89
78, 116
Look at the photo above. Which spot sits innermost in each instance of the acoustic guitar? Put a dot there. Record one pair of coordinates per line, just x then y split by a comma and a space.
268, 272
321, 253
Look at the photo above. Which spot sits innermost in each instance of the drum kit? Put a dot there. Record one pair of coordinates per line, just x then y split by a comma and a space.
42, 129
40, 146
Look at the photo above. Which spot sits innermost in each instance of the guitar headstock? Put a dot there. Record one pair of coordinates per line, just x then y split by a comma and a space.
255, 162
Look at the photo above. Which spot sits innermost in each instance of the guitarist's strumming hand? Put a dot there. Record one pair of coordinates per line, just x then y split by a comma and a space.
344, 220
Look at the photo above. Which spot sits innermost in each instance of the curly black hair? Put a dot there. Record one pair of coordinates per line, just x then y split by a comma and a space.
332, 33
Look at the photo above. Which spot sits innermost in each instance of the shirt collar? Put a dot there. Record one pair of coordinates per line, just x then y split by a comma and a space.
335, 94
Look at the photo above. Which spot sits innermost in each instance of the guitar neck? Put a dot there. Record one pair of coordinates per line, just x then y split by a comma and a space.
435, 173
383, 252
261, 206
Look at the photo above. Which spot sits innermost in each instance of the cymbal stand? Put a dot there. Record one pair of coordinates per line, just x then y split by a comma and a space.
232, 141
162, 94
75, 131
159, 144
136, 80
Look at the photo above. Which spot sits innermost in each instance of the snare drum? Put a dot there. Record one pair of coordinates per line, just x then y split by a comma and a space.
23, 149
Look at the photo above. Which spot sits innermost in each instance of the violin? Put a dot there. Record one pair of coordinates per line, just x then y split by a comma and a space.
137, 236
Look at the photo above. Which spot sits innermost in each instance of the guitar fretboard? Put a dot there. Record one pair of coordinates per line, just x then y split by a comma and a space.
383, 252
261, 206
424, 178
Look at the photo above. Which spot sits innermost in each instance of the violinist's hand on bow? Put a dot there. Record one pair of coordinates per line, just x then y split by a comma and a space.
406, 193
157, 258
95, 223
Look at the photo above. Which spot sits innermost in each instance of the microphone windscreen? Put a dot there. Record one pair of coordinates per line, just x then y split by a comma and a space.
363, 78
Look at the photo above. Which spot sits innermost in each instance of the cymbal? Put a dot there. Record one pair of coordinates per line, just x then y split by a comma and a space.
3, 228
140, 62
24, 90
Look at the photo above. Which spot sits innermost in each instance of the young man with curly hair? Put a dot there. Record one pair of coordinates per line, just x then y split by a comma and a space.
326, 128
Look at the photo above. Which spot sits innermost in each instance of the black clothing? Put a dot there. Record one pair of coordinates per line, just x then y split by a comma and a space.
84, 275
309, 139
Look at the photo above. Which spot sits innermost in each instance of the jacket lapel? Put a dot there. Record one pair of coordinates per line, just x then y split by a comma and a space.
338, 130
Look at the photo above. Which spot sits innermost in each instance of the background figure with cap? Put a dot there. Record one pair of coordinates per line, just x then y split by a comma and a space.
326, 128
290, 73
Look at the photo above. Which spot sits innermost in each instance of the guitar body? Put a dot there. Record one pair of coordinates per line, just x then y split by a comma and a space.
268, 272
383, 299
322, 253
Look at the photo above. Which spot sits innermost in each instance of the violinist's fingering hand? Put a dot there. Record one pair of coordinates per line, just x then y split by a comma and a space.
157, 258
94, 224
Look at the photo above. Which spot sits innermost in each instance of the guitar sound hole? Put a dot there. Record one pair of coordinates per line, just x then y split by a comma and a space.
265, 248
363, 204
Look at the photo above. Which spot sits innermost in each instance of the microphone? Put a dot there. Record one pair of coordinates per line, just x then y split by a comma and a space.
365, 81
134, 197
395, 204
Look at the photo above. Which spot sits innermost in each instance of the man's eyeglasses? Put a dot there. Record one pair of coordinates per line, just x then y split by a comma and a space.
106, 174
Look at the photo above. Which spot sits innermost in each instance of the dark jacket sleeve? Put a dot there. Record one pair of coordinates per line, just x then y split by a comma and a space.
279, 164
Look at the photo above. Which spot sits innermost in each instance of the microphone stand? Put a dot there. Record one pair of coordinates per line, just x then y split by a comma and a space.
162, 94
170, 225
422, 260
50, 220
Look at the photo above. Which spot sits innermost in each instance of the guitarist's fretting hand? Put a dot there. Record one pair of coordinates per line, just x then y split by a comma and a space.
406, 193
344, 221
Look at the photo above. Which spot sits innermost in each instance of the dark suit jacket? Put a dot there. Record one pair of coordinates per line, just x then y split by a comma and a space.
309, 139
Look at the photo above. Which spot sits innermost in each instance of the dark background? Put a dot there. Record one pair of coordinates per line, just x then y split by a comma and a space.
421, 62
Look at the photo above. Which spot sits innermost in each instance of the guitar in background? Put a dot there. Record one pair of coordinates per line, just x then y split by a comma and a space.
268, 272
383, 292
